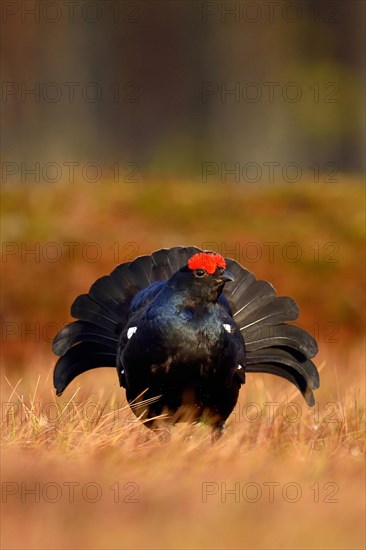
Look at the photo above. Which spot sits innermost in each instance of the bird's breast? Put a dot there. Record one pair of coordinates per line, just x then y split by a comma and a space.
180, 335
193, 336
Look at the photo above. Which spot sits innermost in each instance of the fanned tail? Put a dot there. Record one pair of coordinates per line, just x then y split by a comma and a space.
272, 345
91, 341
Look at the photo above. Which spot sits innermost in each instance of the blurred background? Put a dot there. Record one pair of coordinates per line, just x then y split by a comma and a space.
169, 86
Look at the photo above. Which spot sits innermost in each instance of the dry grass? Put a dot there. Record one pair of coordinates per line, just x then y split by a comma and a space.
297, 473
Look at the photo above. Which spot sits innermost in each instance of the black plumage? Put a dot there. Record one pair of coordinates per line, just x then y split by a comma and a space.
183, 335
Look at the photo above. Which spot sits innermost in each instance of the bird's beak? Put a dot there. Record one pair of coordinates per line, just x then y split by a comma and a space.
226, 277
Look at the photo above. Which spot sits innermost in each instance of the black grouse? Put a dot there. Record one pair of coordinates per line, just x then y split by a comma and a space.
183, 327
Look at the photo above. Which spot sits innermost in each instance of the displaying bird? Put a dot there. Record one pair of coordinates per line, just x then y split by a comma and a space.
183, 327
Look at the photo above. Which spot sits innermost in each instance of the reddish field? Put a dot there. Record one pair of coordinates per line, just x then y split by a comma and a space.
79, 472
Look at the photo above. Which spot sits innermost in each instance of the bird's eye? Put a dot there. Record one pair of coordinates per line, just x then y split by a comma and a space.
200, 272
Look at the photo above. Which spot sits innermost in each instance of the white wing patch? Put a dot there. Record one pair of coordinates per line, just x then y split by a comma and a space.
240, 367
131, 331
228, 328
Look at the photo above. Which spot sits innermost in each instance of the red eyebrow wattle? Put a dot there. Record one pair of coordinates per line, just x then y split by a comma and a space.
207, 261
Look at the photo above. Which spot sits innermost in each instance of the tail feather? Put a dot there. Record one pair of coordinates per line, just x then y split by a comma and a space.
82, 331
279, 310
290, 358
167, 261
133, 276
272, 346
243, 278
106, 292
85, 309
289, 374
282, 335
121, 277
235, 291
258, 295
79, 359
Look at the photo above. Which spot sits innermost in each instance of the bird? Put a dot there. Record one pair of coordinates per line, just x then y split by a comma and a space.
183, 326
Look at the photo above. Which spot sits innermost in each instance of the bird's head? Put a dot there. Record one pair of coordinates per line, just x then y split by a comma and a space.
205, 275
